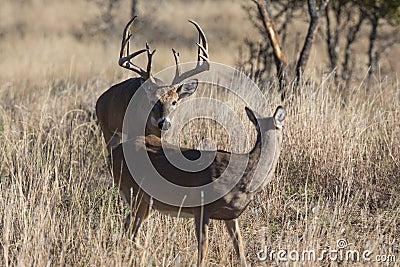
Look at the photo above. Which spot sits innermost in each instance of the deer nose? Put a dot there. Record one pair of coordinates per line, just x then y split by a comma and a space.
164, 124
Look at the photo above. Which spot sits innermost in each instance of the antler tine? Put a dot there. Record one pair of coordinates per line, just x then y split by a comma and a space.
149, 59
177, 67
203, 63
126, 35
202, 44
125, 57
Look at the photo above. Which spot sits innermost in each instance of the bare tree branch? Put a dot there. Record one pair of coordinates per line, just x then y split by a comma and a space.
312, 30
351, 37
332, 37
280, 58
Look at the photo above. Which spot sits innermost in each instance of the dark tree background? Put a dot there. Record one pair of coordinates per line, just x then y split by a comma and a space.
342, 21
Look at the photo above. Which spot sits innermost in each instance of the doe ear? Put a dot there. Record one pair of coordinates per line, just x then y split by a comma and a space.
188, 88
279, 117
251, 116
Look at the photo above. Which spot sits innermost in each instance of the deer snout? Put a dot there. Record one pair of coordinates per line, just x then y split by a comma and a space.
164, 124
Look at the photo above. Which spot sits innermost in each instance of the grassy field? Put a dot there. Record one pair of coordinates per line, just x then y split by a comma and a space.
337, 178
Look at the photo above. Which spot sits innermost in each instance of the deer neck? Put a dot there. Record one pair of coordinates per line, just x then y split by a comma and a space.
262, 158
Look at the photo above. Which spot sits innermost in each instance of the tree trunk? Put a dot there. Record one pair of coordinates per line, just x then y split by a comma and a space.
351, 37
280, 58
332, 38
372, 38
312, 30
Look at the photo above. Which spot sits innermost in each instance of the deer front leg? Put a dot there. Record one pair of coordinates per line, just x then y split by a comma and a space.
234, 233
201, 221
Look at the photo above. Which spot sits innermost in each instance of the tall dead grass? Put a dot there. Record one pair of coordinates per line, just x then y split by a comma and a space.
337, 178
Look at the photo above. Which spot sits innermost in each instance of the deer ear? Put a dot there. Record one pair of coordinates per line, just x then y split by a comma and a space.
279, 117
188, 88
251, 116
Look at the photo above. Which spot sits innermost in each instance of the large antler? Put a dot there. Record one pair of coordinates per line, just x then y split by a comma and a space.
125, 58
203, 63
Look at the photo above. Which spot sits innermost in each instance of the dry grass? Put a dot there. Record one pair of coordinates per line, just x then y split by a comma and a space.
338, 175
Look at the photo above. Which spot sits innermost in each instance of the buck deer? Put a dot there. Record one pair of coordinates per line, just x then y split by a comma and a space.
112, 104
227, 208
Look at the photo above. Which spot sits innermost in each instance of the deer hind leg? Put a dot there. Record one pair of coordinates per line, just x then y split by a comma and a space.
201, 221
139, 213
234, 233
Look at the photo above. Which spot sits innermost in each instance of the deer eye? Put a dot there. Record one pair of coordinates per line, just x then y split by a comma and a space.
174, 102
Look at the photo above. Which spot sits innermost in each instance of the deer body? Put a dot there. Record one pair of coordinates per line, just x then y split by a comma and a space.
116, 99
227, 208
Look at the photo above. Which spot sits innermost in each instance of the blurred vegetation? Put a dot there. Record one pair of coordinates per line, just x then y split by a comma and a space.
383, 9
343, 23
